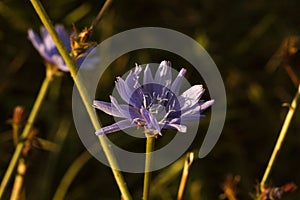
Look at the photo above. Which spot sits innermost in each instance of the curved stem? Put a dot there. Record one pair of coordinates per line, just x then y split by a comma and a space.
147, 175
84, 95
69, 176
32, 116
280, 139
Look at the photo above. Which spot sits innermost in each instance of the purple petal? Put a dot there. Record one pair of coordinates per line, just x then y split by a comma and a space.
177, 82
59, 62
147, 76
194, 114
123, 112
132, 80
121, 87
151, 121
92, 61
178, 127
107, 108
50, 47
191, 96
63, 35
120, 125
38, 44
163, 74
35, 39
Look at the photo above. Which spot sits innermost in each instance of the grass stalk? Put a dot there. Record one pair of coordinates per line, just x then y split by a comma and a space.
281, 138
147, 176
84, 95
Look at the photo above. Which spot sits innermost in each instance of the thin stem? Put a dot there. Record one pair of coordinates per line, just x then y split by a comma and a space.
147, 175
281, 137
185, 172
70, 175
100, 15
84, 95
32, 116
19, 180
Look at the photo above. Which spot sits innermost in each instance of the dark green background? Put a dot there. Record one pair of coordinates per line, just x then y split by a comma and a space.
241, 37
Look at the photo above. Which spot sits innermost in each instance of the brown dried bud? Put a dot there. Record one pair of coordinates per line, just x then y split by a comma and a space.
19, 113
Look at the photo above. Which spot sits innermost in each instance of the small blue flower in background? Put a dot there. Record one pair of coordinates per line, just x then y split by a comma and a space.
46, 47
156, 104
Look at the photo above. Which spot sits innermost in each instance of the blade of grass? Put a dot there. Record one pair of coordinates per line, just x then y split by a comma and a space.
280, 139
84, 95
32, 116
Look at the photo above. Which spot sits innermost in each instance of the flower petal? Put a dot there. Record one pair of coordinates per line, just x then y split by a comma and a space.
121, 87
177, 82
163, 74
191, 96
194, 114
50, 47
147, 76
151, 121
107, 108
178, 127
120, 125
38, 44
59, 62
35, 39
63, 35
132, 80
123, 111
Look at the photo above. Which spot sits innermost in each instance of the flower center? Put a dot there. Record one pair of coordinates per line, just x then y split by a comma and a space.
159, 100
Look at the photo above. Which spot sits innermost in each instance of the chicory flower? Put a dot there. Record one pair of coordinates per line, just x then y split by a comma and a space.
154, 105
47, 48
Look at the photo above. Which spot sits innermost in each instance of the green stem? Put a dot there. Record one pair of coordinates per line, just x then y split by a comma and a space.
70, 175
84, 95
280, 139
147, 175
36, 107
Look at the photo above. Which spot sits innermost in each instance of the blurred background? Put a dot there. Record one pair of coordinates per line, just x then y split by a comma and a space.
253, 43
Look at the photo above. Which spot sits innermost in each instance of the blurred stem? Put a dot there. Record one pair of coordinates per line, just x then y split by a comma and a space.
281, 137
32, 116
147, 175
70, 175
100, 15
185, 172
84, 95
19, 180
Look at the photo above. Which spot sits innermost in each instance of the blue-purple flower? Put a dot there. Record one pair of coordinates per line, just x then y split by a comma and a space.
156, 104
46, 46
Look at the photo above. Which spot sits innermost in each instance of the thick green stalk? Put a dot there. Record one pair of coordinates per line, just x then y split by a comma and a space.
84, 95
280, 139
147, 175
36, 107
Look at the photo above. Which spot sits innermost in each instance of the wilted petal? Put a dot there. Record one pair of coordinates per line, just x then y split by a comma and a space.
120, 125
163, 74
